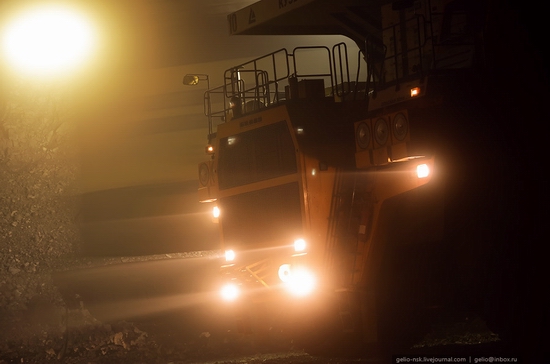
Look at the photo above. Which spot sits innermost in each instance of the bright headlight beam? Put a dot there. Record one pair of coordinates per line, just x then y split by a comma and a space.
48, 39
422, 170
229, 255
301, 283
215, 212
284, 273
229, 292
299, 245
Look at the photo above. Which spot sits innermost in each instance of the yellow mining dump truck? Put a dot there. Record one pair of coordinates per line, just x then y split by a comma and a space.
328, 208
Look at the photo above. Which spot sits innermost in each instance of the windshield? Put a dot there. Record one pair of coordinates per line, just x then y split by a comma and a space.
269, 214
256, 155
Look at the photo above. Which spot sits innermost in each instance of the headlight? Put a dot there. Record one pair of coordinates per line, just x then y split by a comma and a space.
215, 212
302, 282
422, 170
299, 245
230, 292
229, 255
299, 281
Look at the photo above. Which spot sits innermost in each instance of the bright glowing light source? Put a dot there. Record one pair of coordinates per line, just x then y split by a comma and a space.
299, 282
209, 149
215, 212
284, 273
229, 255
422, 170
299, 245
302, 282
230, 292
48, 39
415, 91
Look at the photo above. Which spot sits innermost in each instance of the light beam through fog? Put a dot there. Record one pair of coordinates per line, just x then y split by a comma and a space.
48, 40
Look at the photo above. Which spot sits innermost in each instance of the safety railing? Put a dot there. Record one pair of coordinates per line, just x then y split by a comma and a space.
265, 81
406, 52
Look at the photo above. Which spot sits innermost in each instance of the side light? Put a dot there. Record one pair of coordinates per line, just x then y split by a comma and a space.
215, 212
209, 149
300, 245
284, 273
230, 292
229, 255
415, 91
422, 170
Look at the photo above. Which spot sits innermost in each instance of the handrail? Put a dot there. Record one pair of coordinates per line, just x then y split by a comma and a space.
262, 81
342, 50
396, 56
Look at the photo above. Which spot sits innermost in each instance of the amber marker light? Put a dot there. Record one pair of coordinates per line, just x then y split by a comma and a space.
415, 91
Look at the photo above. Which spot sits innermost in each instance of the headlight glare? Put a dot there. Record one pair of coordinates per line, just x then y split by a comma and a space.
284, 273
298, 281
230, 292
302, 282
300, 245
422, 170
215, 212
229, 255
